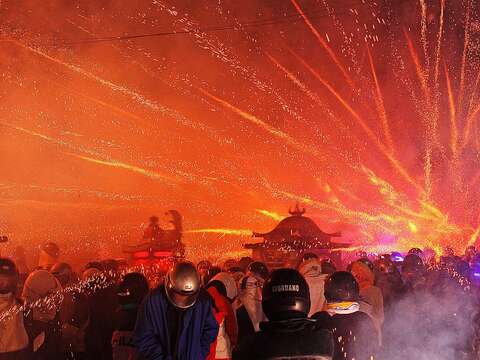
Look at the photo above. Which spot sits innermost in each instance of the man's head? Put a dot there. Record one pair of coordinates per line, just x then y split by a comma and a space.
341, 286
8, 276
63, 272
182, 285
285, 295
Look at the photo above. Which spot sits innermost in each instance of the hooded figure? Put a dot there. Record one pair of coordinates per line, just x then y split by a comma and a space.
223, 290
175, 321
353, 331
311, 269
288, 334
49, 255
369, 293
249, 312
43, 323
73, 311
13, 336
132, 290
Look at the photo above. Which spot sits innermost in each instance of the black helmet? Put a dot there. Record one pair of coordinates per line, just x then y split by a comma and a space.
285, 295
132, 289
63, 272
412, 263
258, 268
328, 267
385, 265
367, 262
182, 285
309, 255
341, 286
415, 251
9, 274
51, 249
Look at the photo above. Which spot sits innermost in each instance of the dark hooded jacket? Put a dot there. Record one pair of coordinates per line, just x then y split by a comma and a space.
288, 339
197, 331
355, 335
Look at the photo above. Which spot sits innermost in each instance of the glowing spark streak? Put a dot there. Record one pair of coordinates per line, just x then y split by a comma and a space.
239, 232
474, 237
121, 165
324, 44
295, 80
380, 104
363, 125
270, 214
418, 68
453, 121
471, 115
272, 130
439, 41
423, 6
113, 163
466, 42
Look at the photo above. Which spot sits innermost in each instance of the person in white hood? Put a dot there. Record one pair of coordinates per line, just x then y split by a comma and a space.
311, 270
41, 294
13, 336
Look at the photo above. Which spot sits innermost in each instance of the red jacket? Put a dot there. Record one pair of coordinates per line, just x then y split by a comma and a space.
225, 316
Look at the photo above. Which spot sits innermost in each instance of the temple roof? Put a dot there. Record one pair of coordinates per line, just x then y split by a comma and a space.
297, 226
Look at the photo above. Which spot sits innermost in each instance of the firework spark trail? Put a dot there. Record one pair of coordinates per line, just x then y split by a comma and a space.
453, 120
424, 38
112, 163
466, 42
324, 44
141, 99
439, 41
269, 128
220, 51
122, 165
239, 232
419, 69
382, 113
471, 113
296, 81
369, 132
270, 214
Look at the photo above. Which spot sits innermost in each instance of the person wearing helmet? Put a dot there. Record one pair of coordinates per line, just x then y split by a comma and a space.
74, 312
13, 336
413, 273
131, 292
176, 320
203, 267
41, 294
49, 255
389, 280
258, 269
353, 331
288, 334
223, 290
370, 295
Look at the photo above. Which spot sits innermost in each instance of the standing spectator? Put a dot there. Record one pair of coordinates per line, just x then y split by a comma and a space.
13, 336
353, 331
288, 334
74, 312
176, 321
43, 321
132, 290
311, 269
222, 288
369, 293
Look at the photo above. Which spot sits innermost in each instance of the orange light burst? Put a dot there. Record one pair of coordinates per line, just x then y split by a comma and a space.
271, 214
237, 232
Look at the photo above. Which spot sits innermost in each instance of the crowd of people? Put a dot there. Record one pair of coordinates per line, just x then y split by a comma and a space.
417, 306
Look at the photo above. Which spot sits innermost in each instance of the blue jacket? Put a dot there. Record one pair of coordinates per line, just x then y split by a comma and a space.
200, 328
